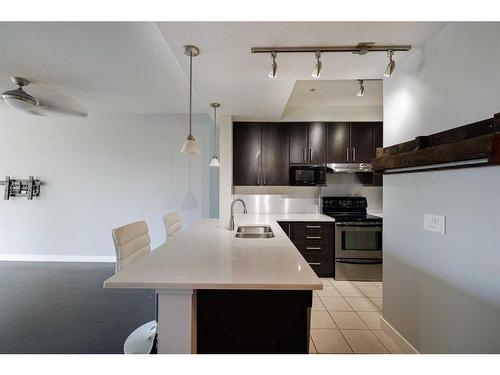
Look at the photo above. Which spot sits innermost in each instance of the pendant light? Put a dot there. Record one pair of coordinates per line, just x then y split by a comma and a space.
191, 146
215, 161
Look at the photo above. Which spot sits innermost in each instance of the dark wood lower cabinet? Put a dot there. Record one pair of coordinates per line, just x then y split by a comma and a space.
253, 321
315, 241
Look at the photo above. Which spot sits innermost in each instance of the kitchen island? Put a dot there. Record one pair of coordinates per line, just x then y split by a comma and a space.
222, 294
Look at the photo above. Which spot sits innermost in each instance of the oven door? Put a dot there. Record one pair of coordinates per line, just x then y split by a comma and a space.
358, 241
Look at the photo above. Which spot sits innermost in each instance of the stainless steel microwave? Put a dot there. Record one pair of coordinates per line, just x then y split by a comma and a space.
307, 175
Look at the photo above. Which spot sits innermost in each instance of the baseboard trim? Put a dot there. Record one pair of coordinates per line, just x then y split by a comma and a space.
397, 337
56, 258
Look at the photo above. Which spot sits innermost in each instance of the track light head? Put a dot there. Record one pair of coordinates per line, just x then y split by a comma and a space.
274, 66
392, 64
361, 91
317, 68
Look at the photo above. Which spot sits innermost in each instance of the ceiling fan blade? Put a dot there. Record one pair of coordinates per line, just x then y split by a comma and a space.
62, 110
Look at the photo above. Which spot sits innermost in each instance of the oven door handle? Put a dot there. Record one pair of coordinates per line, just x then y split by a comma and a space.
359, 261
360, 224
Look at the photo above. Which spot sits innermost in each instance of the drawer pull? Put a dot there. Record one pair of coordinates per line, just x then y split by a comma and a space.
313, 248
313, 237
314, 264
313, 226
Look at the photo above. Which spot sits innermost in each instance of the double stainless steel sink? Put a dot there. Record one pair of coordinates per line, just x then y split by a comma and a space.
254, 231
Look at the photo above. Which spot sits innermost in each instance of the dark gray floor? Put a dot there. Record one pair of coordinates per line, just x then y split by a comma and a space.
62, 308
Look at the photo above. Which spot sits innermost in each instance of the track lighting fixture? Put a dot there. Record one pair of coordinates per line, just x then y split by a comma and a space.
361, 91
274, 66
317, 68
191, 146
390, 67
360, 49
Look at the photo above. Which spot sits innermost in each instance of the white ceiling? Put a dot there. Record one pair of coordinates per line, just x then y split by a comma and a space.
106, 67
226, 71
139, 67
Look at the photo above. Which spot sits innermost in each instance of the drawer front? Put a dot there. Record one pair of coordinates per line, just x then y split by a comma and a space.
312, 237
316, 227
320, 263
315, 249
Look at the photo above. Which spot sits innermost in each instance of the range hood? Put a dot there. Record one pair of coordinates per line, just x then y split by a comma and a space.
348, 167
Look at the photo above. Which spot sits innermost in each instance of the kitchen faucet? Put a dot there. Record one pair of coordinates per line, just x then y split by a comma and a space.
231, 221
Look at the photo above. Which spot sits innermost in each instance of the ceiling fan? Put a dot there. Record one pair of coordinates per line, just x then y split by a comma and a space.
21, 100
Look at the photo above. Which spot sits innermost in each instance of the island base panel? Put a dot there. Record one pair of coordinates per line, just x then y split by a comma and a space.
250, 321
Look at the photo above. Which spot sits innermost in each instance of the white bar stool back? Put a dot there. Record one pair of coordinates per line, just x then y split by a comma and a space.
173, 223
132, 241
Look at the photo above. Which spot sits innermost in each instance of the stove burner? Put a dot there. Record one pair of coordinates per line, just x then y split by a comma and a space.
344, 209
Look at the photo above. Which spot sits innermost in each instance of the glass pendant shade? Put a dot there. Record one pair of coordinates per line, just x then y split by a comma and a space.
214, 162
191, 146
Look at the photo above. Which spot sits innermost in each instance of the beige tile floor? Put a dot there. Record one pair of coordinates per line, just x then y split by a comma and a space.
345, 319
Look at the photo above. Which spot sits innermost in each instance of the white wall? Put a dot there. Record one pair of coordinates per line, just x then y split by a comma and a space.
333, 113
442, 293
99, 173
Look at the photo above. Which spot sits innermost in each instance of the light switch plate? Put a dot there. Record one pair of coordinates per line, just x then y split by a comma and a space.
435, 223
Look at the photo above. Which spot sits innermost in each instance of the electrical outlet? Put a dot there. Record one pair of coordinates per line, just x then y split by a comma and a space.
435, 223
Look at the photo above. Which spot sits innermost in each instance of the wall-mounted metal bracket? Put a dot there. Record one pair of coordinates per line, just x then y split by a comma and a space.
21, 187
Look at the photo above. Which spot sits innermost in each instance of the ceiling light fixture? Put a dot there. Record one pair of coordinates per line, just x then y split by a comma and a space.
361, 49
361, 91
317, 68
390, 67
274, 66
215, 161
190, 145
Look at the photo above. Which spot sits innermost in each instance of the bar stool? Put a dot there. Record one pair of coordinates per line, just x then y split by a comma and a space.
132, 241
173, 223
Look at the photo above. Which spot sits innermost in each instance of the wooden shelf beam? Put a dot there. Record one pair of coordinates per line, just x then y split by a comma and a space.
476, 141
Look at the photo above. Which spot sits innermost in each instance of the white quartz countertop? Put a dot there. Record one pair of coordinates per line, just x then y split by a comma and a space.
208, 256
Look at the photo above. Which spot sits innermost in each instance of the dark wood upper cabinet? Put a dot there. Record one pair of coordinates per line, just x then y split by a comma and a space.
317, 143
307, 143
378, 136
338, 142
275, 154
361, 142
378, 141
247, 160
298, 142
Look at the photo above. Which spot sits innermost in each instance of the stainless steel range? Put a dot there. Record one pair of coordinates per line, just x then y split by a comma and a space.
358, 239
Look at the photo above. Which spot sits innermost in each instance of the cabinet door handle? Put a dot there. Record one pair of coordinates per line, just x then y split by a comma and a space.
304, 154
354, 154
313, 237
313, 226
258, 177
314, 264
310, 155
347, 154
265, 177
313, 248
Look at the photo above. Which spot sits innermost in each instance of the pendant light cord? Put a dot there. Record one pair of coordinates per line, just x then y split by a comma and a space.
190, 88
215, 130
